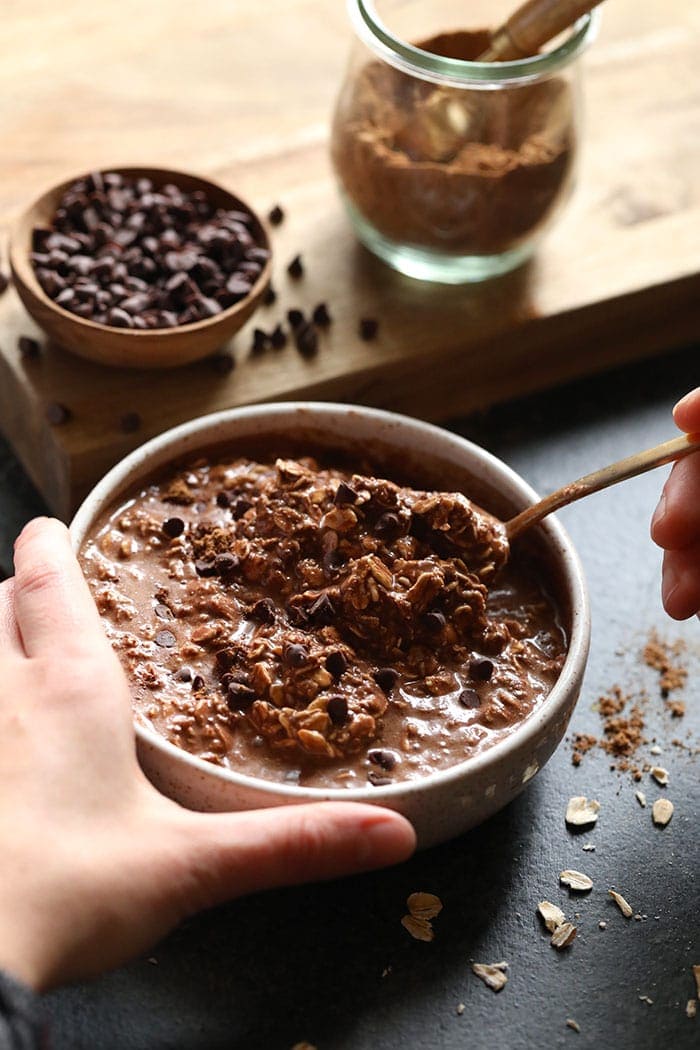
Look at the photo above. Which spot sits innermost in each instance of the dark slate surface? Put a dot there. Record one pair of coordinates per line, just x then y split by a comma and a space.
331, 964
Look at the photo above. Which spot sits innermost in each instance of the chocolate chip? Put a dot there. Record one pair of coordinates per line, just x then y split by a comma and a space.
224, 659
480, 669
322, 611
295, 269
386, 678
223, 364
223, 499
239, 696
263, 611
28, 348
306, 339
296, 616
118, 318
434, 622
261, 341
184, 675
225, 564
4, 282
388, 527
295, 655
345, 494
469, 698
166, 639
278, 337
275, 215
197, 683
163, 612
173, 527
380, 756
240, 507
378, 779
368, 328
270, 296
295, 318
336, 664
57, 414
337, 709
130, 422
321, 317
205, 567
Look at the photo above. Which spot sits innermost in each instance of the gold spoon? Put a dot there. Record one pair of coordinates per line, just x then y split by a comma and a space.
640, 462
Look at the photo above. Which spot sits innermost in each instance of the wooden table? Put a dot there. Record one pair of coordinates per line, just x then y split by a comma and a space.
244, 93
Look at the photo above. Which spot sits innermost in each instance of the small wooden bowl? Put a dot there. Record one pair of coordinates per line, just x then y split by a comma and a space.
128, 347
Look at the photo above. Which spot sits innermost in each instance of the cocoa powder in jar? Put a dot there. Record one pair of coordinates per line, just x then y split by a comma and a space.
465, 172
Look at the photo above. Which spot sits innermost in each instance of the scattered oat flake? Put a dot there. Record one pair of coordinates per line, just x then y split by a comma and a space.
641, 798
626, 909
662, 811
589, 848
492, 974
691, 1008
580, 811
570, 1023
576, 880
386, 971
551, 915
602, 925
424, 905
418, 928
655, 750
696, 975
152, 960
563, 936
460, 1009
660, 775
646, 999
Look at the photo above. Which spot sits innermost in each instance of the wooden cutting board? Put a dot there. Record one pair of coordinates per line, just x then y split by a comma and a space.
245, 97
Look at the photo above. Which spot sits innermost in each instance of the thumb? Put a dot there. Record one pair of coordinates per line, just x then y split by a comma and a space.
230, 854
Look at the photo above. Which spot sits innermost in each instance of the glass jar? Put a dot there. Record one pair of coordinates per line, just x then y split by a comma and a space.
451, 168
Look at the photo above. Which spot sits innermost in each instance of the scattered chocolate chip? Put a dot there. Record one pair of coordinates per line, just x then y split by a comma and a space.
380, 756
469, 698
223, 364
184, 674
225, 564
337, 709
130, 422
278, 337
166, 639
345, 494
205, 567
4, 282
386, 678
306, 339
173, 527
295, 655
322, 611
263, 611
480, 669
295, 269
270, 296
275, 215
336, 664
388, 527
434, 622
295, 318
321, 317
239, 696
368, 328
261, 341
378, 779
57, 414
163, 612
197, 683
28, 348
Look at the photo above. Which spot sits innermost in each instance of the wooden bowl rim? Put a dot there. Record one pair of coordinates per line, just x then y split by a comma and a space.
23, 271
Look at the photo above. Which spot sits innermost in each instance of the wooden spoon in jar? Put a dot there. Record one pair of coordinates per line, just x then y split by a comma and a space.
531, 26
640, 462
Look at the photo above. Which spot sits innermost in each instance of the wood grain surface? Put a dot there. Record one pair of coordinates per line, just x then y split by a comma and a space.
243, 94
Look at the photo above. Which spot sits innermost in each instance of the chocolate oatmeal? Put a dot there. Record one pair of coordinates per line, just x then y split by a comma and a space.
315, 626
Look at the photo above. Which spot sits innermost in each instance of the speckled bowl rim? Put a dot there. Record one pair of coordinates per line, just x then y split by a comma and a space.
219, 427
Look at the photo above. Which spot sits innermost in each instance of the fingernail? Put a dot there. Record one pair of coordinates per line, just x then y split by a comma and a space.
386, 841
660, 512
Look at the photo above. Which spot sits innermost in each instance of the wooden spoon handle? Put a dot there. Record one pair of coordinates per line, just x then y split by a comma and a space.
600, 479
532, 25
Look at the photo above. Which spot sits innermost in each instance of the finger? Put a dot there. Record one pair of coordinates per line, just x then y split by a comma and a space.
237, 853
676, 520
54, 609
10, 641
686, 414
680, 588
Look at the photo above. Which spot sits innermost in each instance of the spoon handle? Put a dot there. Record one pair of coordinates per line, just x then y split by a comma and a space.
640, 462
533, 24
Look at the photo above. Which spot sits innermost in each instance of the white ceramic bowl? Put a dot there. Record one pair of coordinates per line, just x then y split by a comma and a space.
443, 804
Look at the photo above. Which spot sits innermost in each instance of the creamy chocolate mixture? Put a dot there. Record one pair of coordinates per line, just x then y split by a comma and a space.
320, 627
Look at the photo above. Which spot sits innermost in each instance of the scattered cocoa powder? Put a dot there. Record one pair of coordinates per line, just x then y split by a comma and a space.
664, 657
